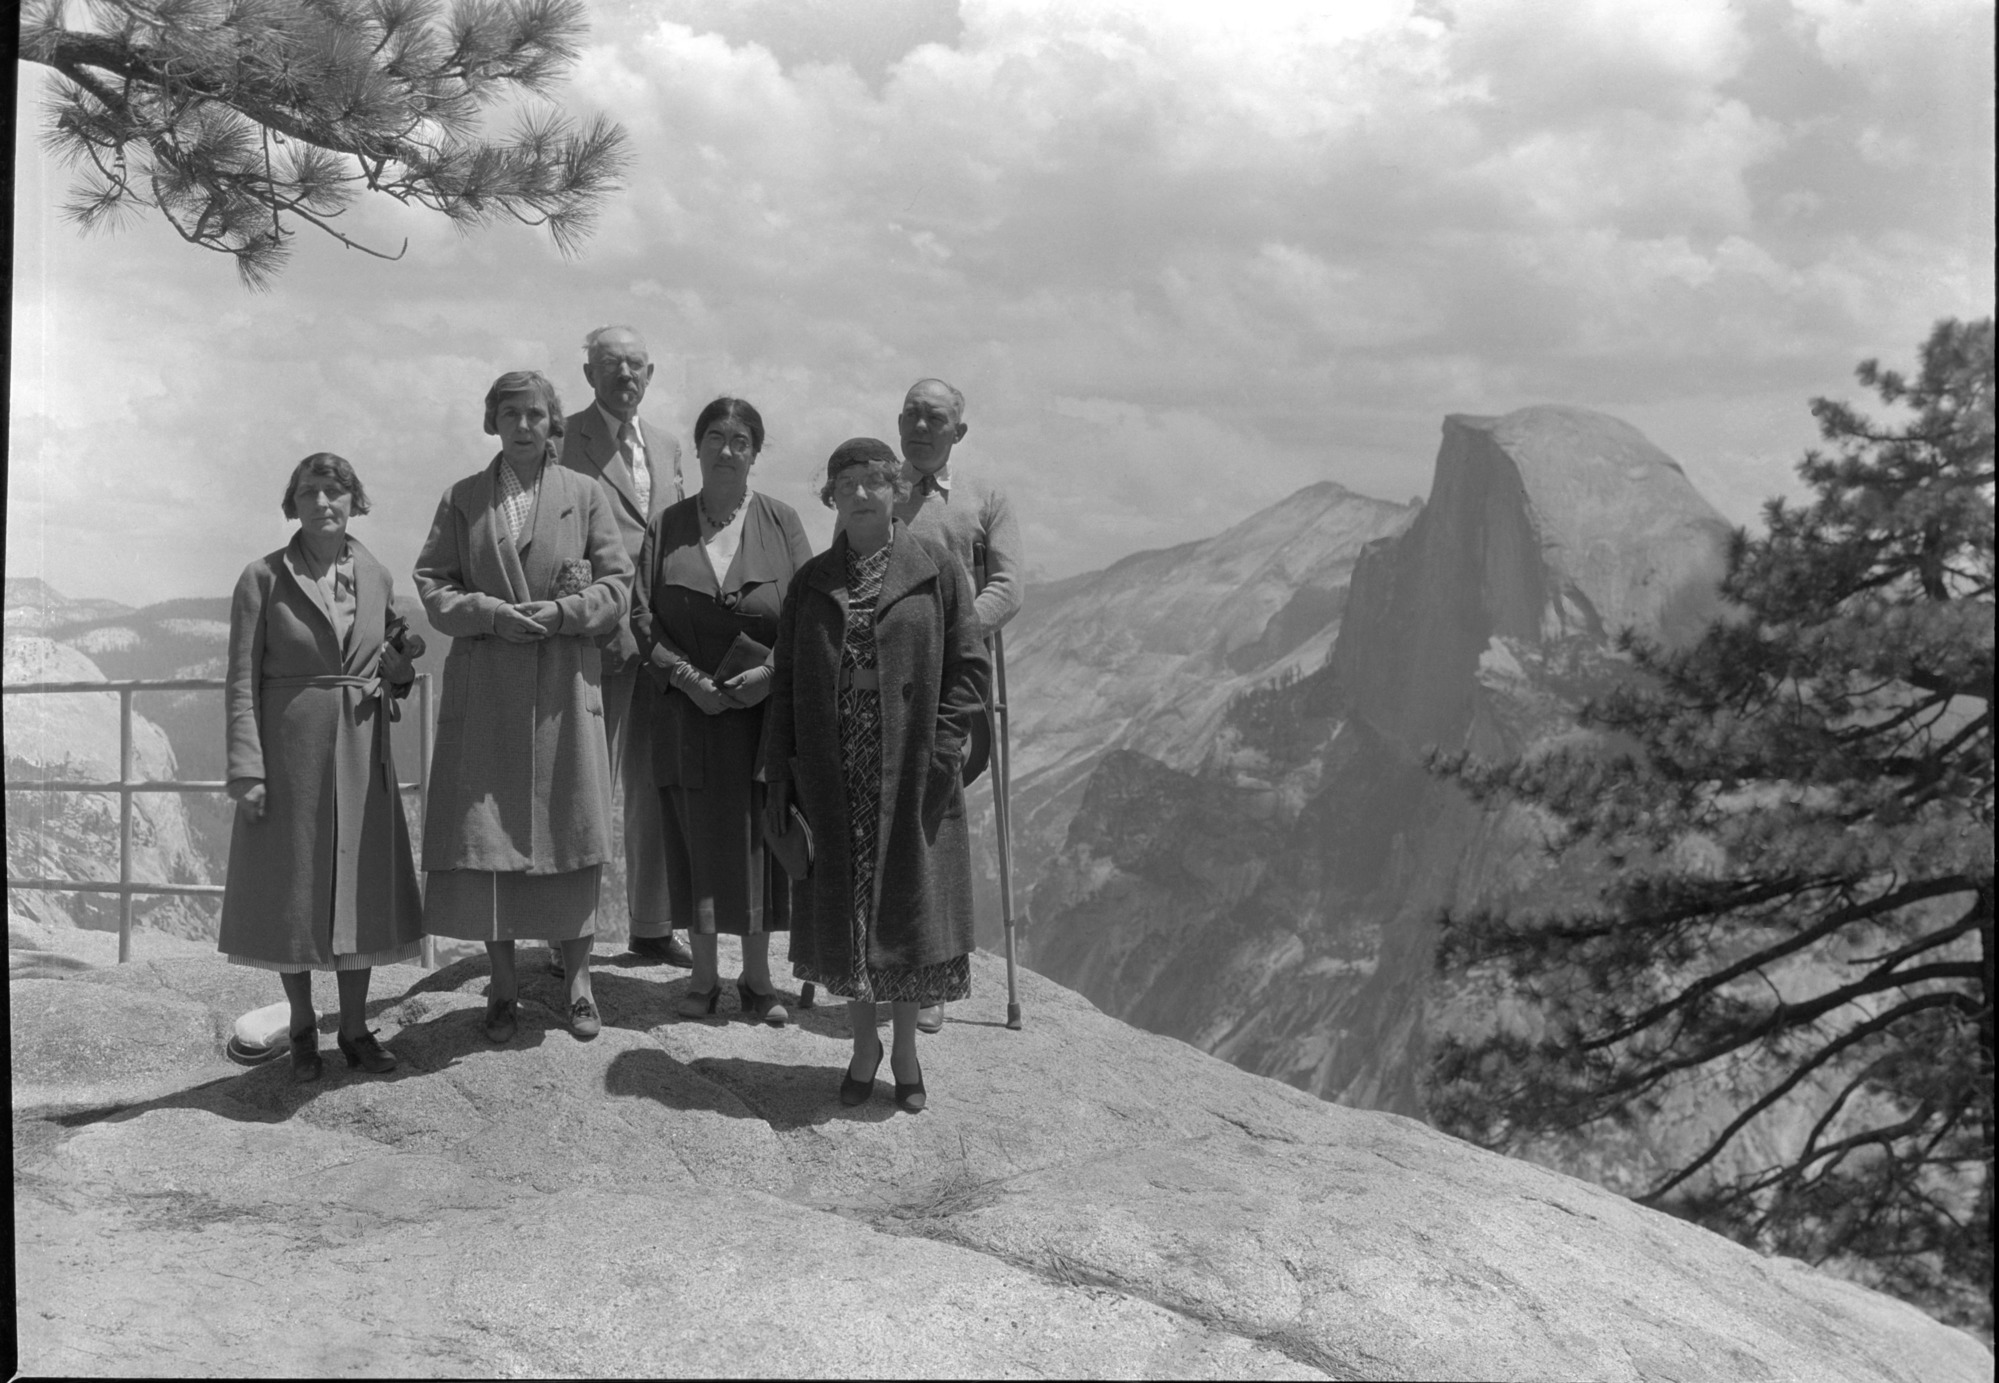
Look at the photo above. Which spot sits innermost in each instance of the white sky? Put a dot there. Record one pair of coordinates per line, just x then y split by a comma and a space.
1183, 260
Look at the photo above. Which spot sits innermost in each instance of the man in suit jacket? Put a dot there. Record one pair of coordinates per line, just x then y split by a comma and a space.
964, 513
638, 467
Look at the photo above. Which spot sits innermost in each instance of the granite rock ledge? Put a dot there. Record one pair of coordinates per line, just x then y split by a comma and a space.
689, 1198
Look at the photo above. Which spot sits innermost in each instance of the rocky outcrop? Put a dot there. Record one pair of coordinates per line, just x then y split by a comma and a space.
1147, 655
689, 1198
1290, 926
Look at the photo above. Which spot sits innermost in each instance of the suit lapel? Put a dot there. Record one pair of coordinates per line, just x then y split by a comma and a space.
500, 543
909, 566
371, 591
763, 555
828, 573
656, 447
295, 568
554, 506
602, 445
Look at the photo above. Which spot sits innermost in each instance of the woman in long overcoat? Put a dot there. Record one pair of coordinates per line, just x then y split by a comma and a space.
712, 578
524, 568
880, 675
320, 876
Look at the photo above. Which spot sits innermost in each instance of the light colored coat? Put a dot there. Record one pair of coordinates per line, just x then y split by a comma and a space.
590, 449
327, 869
520, 780
933, 671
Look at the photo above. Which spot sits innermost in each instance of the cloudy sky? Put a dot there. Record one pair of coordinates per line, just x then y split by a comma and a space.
1184, 260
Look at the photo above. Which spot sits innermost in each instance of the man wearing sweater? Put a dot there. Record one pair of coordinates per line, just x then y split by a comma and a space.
962, 511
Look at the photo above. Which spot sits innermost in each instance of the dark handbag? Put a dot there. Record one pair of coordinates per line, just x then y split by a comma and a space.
793, 848
745, 653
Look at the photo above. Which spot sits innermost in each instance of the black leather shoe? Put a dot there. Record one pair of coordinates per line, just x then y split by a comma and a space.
910, 1096
700, 1003
767, 1007
669, 949
366, 1052
306, 1064
857, 1092
501, 1019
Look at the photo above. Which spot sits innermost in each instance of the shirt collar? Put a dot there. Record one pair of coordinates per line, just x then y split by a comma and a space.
610, 421
938, 480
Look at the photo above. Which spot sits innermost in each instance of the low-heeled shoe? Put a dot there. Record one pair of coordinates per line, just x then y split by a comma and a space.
365, 1052
700, 1003
756, 1006
583, 1019
306, 1062
502, 1021
930, 1018
669, 949
857, 1092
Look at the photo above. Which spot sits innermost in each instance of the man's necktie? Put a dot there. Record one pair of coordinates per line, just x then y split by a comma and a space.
641, 475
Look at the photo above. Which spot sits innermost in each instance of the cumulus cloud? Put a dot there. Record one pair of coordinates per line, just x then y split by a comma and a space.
1184, 260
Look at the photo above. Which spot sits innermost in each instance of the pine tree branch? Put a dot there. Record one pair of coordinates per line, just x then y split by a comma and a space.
1851, 1038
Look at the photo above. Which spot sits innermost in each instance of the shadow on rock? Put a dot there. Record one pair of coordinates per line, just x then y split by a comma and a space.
785, 1096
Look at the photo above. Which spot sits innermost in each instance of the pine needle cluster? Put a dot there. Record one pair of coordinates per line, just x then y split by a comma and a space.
236, 120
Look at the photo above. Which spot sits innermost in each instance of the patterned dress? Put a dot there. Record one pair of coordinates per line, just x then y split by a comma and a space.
861, 766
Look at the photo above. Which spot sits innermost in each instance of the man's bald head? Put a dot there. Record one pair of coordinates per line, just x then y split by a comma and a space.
931, 423
618, 367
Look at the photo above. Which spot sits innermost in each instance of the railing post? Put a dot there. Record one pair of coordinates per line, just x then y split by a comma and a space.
124, 824
428, 956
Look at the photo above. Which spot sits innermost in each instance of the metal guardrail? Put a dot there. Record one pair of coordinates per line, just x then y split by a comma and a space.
126, 787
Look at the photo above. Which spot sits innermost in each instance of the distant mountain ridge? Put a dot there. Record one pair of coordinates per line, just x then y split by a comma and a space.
1147, 654
1274, 904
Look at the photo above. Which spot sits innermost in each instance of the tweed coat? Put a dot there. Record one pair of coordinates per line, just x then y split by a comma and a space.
933, 670
590, 448
326, 871
520, 779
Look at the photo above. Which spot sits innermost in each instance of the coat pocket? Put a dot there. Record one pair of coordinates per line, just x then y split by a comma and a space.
943, 796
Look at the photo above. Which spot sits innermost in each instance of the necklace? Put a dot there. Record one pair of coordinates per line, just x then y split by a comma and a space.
727, 518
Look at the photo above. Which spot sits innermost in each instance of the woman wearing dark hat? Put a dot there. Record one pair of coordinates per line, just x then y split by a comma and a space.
320, 876
525, 569
711, 580
878, 679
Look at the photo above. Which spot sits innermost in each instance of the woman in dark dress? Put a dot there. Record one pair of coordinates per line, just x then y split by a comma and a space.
712, 577
320, 874
879, 677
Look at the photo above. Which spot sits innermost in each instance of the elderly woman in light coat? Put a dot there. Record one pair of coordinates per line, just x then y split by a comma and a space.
320, 876
525, 569
879, 676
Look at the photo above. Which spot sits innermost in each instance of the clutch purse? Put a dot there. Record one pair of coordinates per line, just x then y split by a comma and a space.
573, 577
744, 654
794, 847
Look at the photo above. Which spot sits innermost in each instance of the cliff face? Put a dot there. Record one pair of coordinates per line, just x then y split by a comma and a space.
75, 836
1147, 654
1277, 907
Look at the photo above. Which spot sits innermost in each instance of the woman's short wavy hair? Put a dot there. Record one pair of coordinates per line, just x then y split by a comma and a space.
735, 410
870, 452
530, 382
335, 468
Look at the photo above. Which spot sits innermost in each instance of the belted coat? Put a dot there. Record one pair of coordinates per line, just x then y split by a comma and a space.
934, 672
520, 778
326, 871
